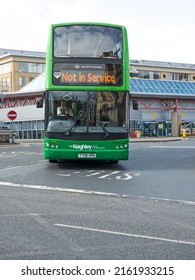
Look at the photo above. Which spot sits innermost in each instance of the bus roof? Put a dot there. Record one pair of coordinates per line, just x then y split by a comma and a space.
89, 23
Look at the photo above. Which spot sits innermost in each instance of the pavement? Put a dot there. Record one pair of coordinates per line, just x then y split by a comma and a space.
139, 139
131, 140
156, 139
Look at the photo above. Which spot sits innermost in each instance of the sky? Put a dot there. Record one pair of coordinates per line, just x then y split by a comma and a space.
160, 30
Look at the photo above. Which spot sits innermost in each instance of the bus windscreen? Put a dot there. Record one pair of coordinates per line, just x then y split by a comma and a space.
87, 41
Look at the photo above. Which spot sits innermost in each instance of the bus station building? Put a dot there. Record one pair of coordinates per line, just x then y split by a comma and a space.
162, 95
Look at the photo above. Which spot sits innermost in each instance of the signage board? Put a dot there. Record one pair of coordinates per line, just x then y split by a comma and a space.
12, 115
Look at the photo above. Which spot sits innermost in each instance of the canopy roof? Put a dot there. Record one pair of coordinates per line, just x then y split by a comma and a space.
138, 87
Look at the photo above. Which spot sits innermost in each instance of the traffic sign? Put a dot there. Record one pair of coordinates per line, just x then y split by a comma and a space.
12, 115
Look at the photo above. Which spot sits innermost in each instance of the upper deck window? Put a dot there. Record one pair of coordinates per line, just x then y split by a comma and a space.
87, 41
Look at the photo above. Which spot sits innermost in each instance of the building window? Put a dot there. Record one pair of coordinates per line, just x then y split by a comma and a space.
21, 81
5, 68
149, 75
30, 79
7, 82
178, 76
26, 67
183, 77
4, 84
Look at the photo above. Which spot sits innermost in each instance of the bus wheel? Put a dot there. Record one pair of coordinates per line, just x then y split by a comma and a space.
52, 160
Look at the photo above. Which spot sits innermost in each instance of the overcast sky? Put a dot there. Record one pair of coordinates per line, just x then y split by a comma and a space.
160, 30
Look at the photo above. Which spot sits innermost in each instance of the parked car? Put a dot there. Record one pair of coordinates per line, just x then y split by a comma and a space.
190, 128
3, 126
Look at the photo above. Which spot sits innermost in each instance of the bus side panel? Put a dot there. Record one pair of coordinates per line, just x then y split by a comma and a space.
113, 150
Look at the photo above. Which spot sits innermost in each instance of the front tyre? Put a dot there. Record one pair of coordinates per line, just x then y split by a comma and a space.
114, 161
52, 161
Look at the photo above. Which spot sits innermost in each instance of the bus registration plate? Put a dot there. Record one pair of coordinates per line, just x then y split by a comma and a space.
86, 155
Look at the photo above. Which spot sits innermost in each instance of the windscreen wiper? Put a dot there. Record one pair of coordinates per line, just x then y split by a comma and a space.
105, 130
80, 113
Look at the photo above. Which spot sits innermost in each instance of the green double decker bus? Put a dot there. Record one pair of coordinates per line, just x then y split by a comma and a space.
87, 93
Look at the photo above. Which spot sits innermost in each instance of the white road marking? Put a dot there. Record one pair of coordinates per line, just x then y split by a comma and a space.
67, 174
125, 176
19, 166
80, 191
7, 156
20, 215
58, 189
11, 167
110, 174
95, 173
128, 234
107, 174
63, 175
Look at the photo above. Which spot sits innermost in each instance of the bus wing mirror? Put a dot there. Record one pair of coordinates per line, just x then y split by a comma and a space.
39, 102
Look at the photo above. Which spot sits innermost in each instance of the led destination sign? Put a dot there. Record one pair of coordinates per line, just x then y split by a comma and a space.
76, 74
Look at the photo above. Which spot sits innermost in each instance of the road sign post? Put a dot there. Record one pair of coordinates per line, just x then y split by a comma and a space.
12, 115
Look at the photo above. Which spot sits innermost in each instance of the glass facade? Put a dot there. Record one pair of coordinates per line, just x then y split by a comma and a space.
153, 75
149, 75
28, 129
27, 67
178, 76
164, 87
151, 128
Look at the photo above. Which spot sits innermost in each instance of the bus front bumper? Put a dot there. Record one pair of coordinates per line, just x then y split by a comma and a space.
112, 150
